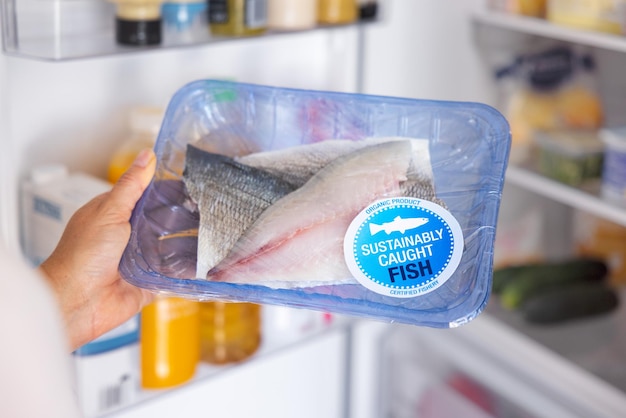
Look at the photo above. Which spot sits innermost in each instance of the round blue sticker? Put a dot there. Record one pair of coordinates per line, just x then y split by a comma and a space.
403, 247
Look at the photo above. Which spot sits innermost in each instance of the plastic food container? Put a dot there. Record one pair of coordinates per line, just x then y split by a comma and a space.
571, 157
614, 172
439, 272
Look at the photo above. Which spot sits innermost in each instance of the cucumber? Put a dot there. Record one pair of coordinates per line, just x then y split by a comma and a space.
584, 266
576, 301
526, 282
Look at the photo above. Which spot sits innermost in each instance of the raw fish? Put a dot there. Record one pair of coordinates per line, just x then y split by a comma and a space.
297, 165
230, 196
297, 241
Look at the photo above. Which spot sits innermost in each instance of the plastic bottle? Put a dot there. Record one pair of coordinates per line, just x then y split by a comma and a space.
229, 332
145, 123
238, 17
170, 349
184, 21
292, 14
336, 12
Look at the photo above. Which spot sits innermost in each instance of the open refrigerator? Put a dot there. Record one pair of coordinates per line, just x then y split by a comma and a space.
65, 92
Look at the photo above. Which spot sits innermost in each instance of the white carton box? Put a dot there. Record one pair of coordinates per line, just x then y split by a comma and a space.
107, 381
49, 198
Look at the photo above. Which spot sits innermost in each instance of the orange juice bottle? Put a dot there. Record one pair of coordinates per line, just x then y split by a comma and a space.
229, 332
145, 123
170, 349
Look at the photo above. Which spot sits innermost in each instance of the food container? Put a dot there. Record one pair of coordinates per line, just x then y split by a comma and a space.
596, 15
598, 238
571, 157
534, 8
347, 217
614, 172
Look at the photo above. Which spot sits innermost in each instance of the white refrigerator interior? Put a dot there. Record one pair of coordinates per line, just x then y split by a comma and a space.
74, 112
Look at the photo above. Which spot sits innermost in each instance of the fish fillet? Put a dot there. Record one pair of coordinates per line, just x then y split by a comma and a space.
296, 165
230, 196
297, 241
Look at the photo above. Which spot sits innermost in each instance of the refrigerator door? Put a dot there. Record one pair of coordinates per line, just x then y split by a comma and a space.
485, 369
482, 369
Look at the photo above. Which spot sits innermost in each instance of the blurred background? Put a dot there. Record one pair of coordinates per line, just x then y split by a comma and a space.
83, 87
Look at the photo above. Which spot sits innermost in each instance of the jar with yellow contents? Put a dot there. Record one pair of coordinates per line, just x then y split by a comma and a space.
169, 342
229, 331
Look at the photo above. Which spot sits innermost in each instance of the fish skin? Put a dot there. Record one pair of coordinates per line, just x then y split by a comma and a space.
230, 196
297, 165
288, 247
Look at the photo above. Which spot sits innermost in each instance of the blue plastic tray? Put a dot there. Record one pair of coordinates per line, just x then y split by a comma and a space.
469, 146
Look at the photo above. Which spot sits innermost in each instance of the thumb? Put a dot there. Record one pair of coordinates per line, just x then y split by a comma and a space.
129, 188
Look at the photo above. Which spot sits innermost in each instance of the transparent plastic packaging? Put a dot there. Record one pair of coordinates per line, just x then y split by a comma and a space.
468, 146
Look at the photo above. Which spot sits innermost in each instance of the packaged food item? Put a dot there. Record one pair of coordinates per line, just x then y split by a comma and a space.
614, 172
107, 370
392, 218
238, 17
597, 237
229, 332
138, 22
292, 14
335, 12
184, 21
144, 124
170, 348
553, 88
571, 157
50, 196
534, 8
597, 15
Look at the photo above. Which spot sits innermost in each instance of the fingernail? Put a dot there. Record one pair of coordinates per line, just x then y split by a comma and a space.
143, 158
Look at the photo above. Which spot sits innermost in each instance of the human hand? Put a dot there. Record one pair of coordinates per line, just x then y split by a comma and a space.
83, 269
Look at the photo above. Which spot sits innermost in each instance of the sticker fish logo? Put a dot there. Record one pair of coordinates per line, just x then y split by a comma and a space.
398, 225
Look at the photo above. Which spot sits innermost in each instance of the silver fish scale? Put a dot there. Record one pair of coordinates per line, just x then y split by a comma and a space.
229, 196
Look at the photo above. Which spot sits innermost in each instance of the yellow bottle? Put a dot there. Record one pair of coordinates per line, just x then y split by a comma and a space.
145, 123
170, 348
229, 332
237, 17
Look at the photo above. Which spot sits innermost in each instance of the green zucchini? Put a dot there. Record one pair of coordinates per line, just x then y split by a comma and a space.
526, 282
579, 300
585, 266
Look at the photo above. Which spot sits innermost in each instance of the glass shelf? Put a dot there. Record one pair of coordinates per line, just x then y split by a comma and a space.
543, 28
586, 200
56, 30
594, 344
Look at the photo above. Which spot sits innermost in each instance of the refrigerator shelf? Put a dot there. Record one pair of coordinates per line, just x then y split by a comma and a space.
546, 29
506, 368
586, 200
60, 30
275, 345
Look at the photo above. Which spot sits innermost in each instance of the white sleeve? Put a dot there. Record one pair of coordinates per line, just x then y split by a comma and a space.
35, 364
